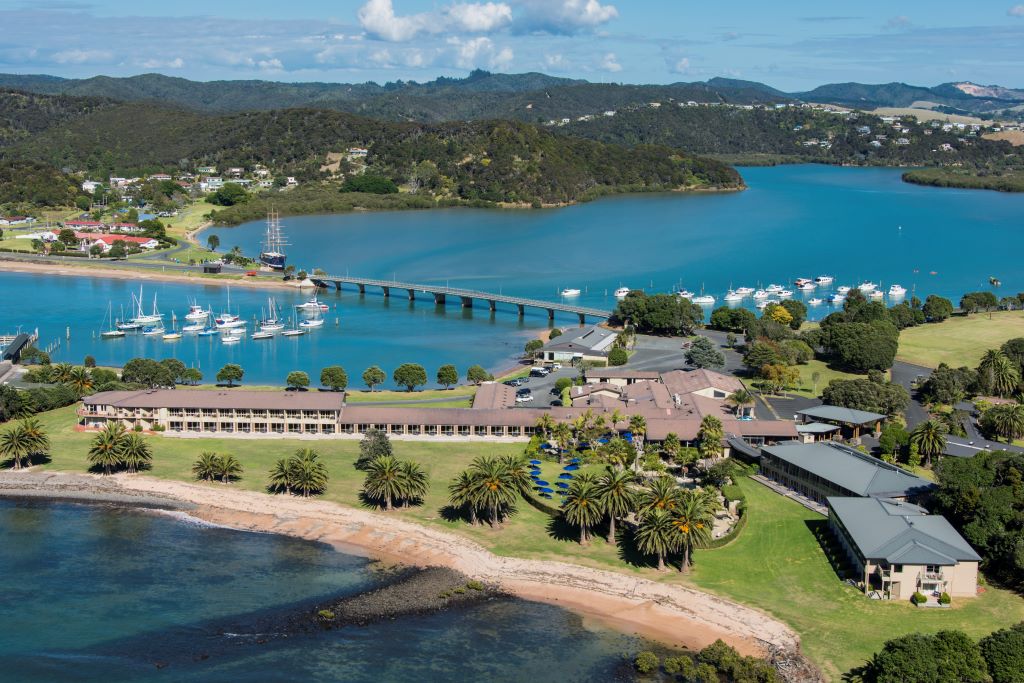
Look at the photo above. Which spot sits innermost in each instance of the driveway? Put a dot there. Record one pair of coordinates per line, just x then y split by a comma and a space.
905, 375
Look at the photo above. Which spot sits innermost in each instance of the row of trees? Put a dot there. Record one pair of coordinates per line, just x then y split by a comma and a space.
26, 441
114, 448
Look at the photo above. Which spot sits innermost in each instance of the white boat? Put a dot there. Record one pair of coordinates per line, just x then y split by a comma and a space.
196, 312
293, 333
785, 293
112, 332
685, 294
815, 301
271, 323
773, 288
823, 279
151, 318
761, 294
172, 336
765, 303
866, 287
807, 286
152, 331
896, 291
744, 291
843, 289
570, 291
128, 326
314, 305
876, 294
733, 295
263, 335
801, 281
312, 322
703, 300
836, 298
621, 292
226, 327
230, 339
194, 327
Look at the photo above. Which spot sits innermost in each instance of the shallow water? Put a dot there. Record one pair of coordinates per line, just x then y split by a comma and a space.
100, 593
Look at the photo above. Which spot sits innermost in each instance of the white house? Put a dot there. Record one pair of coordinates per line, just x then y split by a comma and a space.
90, 186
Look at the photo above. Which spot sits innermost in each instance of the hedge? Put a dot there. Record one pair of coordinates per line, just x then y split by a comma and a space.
543, 507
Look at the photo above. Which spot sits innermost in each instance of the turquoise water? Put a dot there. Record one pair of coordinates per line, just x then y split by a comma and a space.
102, 594
793, 221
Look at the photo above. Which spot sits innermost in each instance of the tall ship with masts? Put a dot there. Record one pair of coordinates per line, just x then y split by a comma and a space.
274, 242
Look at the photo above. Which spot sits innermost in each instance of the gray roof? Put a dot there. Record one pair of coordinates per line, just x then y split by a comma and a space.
847, 415
593, 339
850, 469
901, 533
816, 428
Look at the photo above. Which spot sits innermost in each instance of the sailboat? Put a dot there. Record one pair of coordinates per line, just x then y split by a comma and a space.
228, 320
209, 330
271, 323
272, 255
111, 332
294, 332
151, 318
173, 334
196, 312
313, 322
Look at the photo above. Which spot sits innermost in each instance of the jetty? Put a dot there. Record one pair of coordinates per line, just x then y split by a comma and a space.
465, 296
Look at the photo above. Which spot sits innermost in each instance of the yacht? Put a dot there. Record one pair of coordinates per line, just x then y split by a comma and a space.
570, 291
263, 335
196, 313
194, 327
866, 287
785, 293
230, 339
744, 291
685, 294
272, 255
113, 331
172, 336
815, 301
843, 289
703, 300
806, 286
733, 295
765, 303
207, 332
801, 281
318, 321
143, 318
621, 292
128, 326
836, 298
223, 323
271, 323
314, 304
896, 291
761, 294
823, 280
152, 331
876, 294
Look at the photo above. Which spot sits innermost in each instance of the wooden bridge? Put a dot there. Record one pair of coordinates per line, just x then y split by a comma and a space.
465, 296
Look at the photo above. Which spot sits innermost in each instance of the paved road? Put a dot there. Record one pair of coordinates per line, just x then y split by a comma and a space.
905, 375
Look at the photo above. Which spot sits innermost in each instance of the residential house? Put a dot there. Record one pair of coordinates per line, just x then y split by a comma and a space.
591, 344
17, 220
106, 241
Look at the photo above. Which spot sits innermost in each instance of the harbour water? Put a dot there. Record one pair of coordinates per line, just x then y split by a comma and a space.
99, 593
793, 221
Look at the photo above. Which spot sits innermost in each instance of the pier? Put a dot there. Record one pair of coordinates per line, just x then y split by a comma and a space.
466, 297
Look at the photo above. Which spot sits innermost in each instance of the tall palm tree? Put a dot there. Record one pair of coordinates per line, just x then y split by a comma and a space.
740, 398
615, 418
693, 520
583, 506
206, 466
495, 485
711, 434
135, 453
228, 468
619, 452
414, 482
80, 380
38, 441
1008, 421
545, 424
384, 480
462, 494
930, 439
660, 494
309, 475
656, 535
15, 443
638, 425
998, 373
106, 446
61, 372
281, 477
562, 434
615, 490
517, 468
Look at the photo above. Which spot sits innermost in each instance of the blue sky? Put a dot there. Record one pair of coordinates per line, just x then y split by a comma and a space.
792, 45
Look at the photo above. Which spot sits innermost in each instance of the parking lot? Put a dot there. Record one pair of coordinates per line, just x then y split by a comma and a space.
541, 388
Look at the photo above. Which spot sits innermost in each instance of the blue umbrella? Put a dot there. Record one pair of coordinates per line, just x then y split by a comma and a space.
565, 475
546, 490
535, 462
574, 461
571, 468
540, 482
546, 495
534, 472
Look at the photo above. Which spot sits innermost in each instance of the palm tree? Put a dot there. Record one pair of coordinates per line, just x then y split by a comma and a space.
106, 447
1008, 421
413, 480
517, 468
583, 506
61, 372
545, 424
80, 380
619, 452
309, 475
615, 418
616, 493
711, 434
740, 399
462, 494
563, 438
135, 453
15, 443
281, 475
671, 446
638, 425
38, 441
207, 466
693, 521
495, 485
656, 535
660, 494
930, 439
228, 468
997, 373
384, 480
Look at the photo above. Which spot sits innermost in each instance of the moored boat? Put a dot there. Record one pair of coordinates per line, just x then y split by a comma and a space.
703, 300
745, 291
843, 289
230, 339
823, 279
761, 294
867, 286
896, 291
196, 312
263, 335
272, 254
621, 292
773, 288
570, 291
815, 301
733, 295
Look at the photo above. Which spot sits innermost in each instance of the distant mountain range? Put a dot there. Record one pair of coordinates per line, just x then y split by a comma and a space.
525, 97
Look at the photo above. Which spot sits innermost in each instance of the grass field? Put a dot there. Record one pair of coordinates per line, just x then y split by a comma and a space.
807, 386
960, 340
776, 564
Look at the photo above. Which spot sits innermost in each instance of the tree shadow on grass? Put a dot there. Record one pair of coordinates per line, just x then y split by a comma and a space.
450, 513
560, 530
628, 551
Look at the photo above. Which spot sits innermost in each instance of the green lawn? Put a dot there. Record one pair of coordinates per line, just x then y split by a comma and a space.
807, 386
960, 340
776, 564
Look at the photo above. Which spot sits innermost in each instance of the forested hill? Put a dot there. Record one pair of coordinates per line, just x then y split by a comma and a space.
493, 160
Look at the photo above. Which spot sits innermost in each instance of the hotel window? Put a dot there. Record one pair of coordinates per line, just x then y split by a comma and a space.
430, 430
209, 412
294, 429
347, 428
529, 431
174, 412
898, 568
514, 431
244, 427
310, 428
277, 427
176, 426
210, 426
480, 431
327, 415
447, 430
327, 429
261, 428
276, 413
193, 426
363, 428
396, 429
227, 427
413, 429
243, 413
463, 430
310, 414
497, 431
294, 413
191, 412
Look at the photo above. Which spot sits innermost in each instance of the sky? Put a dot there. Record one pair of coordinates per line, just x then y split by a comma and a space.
791, 45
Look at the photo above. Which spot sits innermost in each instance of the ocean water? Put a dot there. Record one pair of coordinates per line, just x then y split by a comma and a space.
101, 593
793, 221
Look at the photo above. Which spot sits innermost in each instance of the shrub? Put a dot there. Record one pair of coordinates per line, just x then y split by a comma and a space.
474, 585
679, 666
89, 362
325, 615
945, 599
562, 383
617, 357
646, 662
918, 598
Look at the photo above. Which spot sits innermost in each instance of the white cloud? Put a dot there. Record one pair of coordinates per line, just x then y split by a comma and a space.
75, 56
482, 17
176, 63
272, 64
610, 63
555, 62
565, 16
1016, 11
480, 52
681, 66
378, 18
898, 22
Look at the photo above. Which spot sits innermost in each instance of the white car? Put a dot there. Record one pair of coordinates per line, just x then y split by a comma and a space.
524, 398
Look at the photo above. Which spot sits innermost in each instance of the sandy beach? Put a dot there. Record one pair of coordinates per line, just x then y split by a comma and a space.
672, 614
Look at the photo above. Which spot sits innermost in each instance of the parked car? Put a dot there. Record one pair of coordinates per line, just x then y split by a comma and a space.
524, 398
525, 391
539, 372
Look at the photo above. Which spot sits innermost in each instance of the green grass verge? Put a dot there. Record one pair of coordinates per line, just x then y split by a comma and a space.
775, 564
960, 340
807, 386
